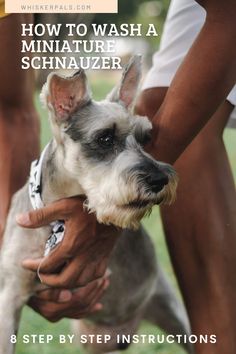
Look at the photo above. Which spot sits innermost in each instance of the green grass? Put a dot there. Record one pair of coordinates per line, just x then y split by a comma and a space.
32, 323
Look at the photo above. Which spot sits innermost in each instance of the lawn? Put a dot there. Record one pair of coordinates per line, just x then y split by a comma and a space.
33, 324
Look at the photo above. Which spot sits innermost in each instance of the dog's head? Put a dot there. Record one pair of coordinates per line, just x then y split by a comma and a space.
101, 146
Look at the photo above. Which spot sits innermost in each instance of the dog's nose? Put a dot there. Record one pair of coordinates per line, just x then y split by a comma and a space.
156, 181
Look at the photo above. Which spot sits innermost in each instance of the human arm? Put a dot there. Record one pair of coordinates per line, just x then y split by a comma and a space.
200, 85
200, 226
18, 116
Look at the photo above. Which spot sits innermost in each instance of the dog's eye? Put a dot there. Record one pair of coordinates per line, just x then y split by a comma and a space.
106, 140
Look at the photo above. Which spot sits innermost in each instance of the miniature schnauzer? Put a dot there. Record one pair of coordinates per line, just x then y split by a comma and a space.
96, 151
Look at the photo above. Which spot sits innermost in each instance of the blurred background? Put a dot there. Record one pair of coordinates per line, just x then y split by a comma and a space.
132, 11
136, 11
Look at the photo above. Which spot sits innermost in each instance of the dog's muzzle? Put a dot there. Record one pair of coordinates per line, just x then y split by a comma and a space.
155, 184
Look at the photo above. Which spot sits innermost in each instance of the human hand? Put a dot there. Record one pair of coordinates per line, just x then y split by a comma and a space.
84, 252
55, 304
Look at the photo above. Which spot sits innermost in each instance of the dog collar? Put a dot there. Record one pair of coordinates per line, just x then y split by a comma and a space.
35, 189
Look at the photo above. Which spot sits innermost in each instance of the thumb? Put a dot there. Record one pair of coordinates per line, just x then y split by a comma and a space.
42, 216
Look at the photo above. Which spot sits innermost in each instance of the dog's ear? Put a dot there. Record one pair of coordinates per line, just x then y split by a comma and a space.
126, 92
65, 95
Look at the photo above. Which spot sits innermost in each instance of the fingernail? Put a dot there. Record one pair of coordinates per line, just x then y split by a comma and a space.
28, 262
100, 282
23, 219
106, 284
98, 307
65, 296
25, 262
108, 272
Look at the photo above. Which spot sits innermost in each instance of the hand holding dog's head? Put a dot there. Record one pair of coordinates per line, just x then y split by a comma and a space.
102, 147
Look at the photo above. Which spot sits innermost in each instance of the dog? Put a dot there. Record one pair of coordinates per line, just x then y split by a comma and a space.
97, 151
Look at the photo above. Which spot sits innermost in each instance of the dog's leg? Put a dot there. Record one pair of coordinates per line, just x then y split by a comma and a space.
11, 304
166, 311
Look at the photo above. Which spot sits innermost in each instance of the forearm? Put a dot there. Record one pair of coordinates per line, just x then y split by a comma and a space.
19, 125
17, 85
199, 87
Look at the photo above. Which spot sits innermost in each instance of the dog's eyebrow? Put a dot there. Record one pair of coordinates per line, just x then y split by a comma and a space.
108, 128
99, 132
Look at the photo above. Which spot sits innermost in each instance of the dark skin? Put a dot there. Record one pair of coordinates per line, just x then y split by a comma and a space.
57, 304
203, 250
200, 230
210, 64
211, 80
17, 115
74, 252
200, 227
84, 259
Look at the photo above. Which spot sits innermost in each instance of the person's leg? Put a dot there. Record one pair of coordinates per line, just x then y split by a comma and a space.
200, 229
19, 125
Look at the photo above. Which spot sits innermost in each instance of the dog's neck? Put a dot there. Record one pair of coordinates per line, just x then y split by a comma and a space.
56, 183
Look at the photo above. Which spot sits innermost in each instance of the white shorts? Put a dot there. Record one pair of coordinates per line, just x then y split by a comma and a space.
184, 21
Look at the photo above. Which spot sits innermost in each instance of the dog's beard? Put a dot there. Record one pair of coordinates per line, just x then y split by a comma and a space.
128, 212
119, 194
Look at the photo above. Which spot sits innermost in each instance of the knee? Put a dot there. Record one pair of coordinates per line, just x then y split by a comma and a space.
150, 100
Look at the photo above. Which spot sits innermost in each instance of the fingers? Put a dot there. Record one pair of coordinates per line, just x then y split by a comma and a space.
51, 263
90, 273
83, 302
58, 210
55, 295
47, 264
66, 278
69, 277
76, 272
96, 295
63, 253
